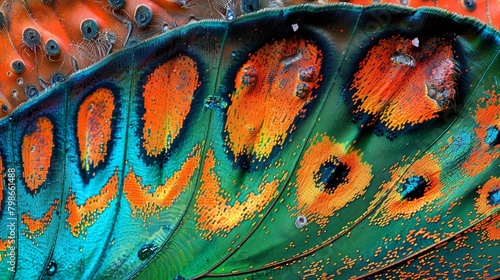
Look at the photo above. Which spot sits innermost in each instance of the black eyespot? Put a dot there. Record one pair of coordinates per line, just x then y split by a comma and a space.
5, 108
470, 5
143, 15
18, 66
89, 28
30, 91
57, 78
117, 4
31, 37
52, 47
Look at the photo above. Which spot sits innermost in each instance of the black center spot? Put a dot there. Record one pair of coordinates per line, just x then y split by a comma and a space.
413, 188
31, 37
89, 28
143, 15
494, 197
330, 175
470, 5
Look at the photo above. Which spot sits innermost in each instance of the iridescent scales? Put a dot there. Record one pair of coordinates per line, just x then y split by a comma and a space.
227, 150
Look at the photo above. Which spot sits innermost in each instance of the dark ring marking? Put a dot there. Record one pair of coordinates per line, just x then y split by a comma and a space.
143, 15
52, 47
89, 28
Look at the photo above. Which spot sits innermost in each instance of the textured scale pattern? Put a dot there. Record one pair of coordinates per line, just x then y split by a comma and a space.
313, 141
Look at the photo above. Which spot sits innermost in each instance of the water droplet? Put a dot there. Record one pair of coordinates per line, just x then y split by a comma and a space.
295, 27
301, 221
215, 102
146, 251
51, 268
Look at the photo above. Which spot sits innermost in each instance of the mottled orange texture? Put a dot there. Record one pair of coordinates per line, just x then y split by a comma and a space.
4, 245
403, 85
313, 200
94, 127
168, 94
36, 227
82, 216
394, 206
482, 204
487, 116
218, 211
271, 90
37, 147
146, 201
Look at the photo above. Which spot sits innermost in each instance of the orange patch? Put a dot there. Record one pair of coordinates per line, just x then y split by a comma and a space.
37, 152
143, 200
82, 216
168, 94
395, 205
215, 214
348, 177
401, 84
94, 127
36, 227
272, 88
486, 118
483, 204
4, 245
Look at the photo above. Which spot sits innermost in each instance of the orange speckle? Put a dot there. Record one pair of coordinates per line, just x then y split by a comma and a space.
36, 227
272, 88
168, 94
94, 127
482, 205
395, 205
36, 153
215, 214
403, 85
146, 202
486, 117
313, 198
82, 216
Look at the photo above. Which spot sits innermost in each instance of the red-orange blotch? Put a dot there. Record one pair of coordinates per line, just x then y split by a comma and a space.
37, 147
271, 90
403, 84
168, 94
94, 127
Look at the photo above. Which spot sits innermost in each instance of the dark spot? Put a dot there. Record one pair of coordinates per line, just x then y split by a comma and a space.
248, 6
308, 75
146, 251
30, 91
57, 78
47, 1
331, 174
117, 4
5, 108
403, 2
215, 102
413, 188
249, 77
51, 268
470, 5
143, 15
31, 37
89, 28
178, 277
302, 91
494, 197
18, 66
492, 136
378, 131
52, 47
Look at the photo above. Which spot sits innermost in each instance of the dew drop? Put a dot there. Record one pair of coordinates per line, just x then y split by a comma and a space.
301, 221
